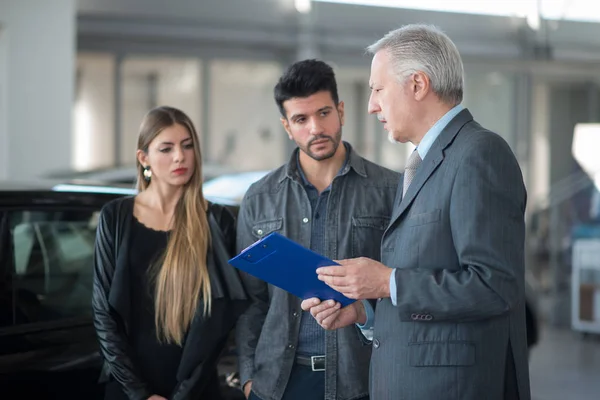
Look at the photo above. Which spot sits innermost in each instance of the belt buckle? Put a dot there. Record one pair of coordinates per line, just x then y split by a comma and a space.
314, 360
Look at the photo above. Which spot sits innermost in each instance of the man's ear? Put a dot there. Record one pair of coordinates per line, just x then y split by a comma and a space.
286, 126
340, 109
420, 85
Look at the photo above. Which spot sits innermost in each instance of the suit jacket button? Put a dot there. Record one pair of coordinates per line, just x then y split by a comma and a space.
428, 317
379, 299
376, 343
414, 317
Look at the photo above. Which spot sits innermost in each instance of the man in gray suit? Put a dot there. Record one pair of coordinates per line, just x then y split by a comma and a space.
449, 320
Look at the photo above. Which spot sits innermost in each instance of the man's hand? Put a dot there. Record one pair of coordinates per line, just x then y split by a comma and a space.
247, 389
331, 316
358, 278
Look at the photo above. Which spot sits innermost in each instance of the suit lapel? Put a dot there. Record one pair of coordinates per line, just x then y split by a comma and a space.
429, 165
398, 197
432, 160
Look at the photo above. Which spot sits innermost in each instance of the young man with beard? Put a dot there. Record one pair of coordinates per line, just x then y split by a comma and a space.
328, 199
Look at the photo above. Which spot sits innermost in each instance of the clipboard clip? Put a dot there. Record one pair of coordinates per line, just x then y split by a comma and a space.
259, 251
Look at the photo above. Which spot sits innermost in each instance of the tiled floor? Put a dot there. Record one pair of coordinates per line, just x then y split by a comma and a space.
565, 366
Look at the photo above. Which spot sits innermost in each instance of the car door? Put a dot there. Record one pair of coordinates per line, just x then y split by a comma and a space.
46, 331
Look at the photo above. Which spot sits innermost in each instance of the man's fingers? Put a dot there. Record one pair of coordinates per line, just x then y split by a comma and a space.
327, 313
329, 321
347, 261
337, 281
325, 305
332, 271
307, 304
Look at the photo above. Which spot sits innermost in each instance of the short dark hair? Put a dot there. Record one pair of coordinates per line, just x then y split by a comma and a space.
305, 78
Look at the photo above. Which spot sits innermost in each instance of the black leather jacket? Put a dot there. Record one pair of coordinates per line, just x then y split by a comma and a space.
111, 304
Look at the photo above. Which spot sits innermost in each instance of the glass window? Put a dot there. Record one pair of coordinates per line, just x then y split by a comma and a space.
353, 90
245, 127
490, 96
148, 82
3, 105
93, 112
52, 263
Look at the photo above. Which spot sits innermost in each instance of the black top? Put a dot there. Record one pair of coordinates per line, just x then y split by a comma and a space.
158, 362
119, 246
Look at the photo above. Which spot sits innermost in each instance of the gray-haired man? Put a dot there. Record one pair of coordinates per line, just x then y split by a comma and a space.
450, 323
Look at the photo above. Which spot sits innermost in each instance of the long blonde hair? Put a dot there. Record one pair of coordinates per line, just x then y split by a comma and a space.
181, 275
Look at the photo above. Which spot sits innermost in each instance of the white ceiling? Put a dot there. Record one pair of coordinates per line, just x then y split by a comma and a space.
273, 25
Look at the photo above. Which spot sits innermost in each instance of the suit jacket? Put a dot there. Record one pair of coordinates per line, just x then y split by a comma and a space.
457, 242
206, 336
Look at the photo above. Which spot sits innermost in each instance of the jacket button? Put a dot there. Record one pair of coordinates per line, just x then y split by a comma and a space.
295, 314
414, 317
305, 220
260, 232
379, 299
376, 343
290, 346
428, 317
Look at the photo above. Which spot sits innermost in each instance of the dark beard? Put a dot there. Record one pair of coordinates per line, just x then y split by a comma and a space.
336, 139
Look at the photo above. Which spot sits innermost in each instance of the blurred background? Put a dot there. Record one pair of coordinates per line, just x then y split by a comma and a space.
77, 76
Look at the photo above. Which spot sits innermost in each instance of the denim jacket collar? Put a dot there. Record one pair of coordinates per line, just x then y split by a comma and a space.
355, 162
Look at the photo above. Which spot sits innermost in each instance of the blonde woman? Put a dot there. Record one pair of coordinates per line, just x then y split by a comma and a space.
165, 298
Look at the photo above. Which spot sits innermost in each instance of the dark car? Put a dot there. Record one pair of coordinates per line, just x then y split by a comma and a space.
48, 347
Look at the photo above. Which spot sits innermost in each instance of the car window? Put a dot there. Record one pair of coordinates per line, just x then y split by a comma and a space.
52, 266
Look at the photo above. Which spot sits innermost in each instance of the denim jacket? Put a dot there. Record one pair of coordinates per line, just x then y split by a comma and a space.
358, 211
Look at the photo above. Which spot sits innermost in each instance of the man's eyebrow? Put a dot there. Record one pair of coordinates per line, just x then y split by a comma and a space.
326, 108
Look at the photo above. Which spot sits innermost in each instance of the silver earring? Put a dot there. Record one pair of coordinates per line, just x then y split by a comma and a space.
147, 174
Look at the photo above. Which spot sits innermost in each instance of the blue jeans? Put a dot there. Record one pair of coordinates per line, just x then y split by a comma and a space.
304, 384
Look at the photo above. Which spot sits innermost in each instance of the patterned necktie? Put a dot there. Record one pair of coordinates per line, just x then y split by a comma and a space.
411, 170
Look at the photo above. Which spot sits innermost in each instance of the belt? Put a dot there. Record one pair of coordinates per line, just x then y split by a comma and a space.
317, 363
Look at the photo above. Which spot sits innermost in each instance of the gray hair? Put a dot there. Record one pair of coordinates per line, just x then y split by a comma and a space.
427, 49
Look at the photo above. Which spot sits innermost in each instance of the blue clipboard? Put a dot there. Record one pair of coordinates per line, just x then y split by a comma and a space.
286, 264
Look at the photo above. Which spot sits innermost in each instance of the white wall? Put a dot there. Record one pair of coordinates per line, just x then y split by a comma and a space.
40, 41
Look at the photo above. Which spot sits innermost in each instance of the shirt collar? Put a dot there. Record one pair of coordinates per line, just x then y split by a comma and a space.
436, 129
353, 160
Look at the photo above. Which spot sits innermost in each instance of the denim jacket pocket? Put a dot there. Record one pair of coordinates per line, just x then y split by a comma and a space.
263, 228
367, 232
